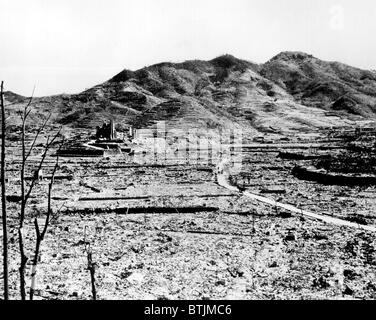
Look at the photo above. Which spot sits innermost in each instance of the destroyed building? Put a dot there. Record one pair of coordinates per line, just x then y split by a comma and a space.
107, 131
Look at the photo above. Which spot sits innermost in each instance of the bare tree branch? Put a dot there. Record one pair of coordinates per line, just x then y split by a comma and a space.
91, 266
41, 128
46, 149
25, 196
3, 196
40, 235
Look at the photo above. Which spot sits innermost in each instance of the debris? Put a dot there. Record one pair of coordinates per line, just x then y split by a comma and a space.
321, 283
285, 214
290, 237
300, 156
350, 274
135, 277
220, 283
154, 197
274, 190
236, 272
318, 175
348, 291
89, 187
56, 177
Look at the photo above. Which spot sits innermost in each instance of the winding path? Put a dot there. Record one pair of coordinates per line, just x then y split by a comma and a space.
223, 180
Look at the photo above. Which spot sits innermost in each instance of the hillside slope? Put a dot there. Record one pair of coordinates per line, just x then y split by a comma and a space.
330, 85
293, 91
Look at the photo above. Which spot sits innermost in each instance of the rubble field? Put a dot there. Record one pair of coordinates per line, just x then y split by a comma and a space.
165, 229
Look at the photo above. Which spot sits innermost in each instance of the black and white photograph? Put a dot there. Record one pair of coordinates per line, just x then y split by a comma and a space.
174, 150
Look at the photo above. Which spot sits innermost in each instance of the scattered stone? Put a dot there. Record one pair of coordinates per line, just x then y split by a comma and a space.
350, 274
320, 236
163, 238
220, 283
80, 243
116, 258
136, 277
138, 265
135, 249
212, 262
348, 291
125, 274
321, 283
352, 247
236, 272
371, 286
285, 215
249, 288
290, 237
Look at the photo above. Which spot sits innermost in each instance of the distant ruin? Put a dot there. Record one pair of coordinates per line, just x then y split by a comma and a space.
107, 131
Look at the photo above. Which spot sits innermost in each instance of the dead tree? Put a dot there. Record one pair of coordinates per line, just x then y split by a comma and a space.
3, 197
41, 234
91, 266
27, 189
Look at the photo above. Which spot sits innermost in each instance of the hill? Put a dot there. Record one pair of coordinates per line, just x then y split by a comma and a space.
291, 92
329, 85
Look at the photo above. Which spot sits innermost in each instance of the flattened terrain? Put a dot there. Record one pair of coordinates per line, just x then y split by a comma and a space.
164, 230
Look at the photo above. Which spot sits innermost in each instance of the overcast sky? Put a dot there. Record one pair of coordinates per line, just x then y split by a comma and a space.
69, 45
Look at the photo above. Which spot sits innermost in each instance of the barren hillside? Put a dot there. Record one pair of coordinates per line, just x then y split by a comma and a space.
292, 92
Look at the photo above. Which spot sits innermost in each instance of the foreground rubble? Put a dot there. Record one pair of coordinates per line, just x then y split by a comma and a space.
164, 230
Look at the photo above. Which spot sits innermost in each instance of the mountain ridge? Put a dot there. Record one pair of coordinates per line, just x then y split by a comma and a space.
292, 91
